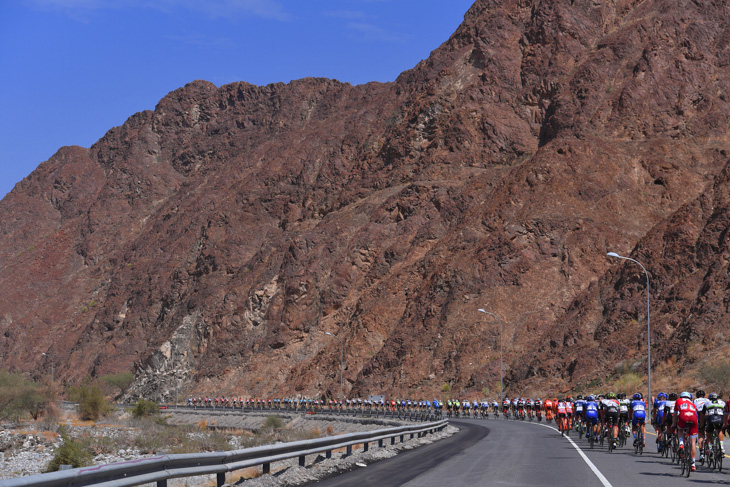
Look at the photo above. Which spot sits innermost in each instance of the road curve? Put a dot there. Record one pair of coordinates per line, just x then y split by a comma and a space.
510, 453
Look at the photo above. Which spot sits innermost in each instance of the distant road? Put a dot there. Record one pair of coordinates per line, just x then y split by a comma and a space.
509, 453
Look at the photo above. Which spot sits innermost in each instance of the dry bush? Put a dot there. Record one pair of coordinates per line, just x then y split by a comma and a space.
329, 431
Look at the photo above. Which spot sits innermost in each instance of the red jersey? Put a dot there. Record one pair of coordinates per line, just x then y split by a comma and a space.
686, 410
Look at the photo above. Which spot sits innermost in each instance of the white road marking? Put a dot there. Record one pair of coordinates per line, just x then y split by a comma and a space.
598, 473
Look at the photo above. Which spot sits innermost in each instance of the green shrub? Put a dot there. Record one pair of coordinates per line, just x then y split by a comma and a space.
71, 452
629, 383
145, 408
119, 381
717, 377
20, 397
92, 403
273, 422
445, 388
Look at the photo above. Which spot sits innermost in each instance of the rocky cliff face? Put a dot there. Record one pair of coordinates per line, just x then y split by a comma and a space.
209, 244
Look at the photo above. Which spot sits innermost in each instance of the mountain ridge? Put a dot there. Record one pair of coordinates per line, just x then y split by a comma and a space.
211, 242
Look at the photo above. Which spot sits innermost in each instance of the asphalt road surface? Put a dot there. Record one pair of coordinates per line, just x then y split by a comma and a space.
516, 453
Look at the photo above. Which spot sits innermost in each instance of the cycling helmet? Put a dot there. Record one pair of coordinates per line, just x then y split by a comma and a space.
611, 395
662, 395
580, 397
590, 398
686, 395
700, 393
712, 397
672, 396
637, 396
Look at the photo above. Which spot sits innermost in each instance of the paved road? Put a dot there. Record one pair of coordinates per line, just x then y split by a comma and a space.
509, 453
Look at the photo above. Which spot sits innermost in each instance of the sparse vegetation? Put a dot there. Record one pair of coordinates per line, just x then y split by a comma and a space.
717, 377
273, 422
629, 383
71, 452
20, 397
446, 387
145, 408
92, 403
120, 381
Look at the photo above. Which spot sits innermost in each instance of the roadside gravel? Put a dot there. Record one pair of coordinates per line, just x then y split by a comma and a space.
289, 473
27, 451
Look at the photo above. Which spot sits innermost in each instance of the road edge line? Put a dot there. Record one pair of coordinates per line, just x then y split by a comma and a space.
590, 464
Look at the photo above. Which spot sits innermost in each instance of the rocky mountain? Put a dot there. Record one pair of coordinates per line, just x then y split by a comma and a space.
210, 244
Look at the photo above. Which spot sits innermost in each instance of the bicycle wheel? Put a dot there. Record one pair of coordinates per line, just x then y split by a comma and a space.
681, 464
708, 453
719, 455
641, 443
687, 459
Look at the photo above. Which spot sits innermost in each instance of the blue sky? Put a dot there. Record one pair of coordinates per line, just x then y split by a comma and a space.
73, 69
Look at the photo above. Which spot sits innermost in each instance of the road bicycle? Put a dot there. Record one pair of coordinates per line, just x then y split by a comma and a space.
712, 451
685, 455
639, 441
624, 433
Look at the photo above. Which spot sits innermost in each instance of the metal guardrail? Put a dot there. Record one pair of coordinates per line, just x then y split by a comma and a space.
161, 468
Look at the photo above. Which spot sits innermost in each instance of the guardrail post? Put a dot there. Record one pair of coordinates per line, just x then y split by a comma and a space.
365, 446
267, 468
349, 450
401, 438
162, 483
302, 461
392, 440
220, 478
380, 443
328, 454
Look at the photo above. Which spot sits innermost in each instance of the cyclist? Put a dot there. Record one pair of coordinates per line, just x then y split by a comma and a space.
591, 416
538, 408
611, 409
669, 415
624, 405
579, 407
638, 416
685, 416
562, 417
505, 407
529, 405
713, 418
700, 402
548, 410
521, 408
569, 413
658, 418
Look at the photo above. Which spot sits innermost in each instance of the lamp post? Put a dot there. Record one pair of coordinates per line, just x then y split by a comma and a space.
501, 368
342, 355
52, 364
648, 326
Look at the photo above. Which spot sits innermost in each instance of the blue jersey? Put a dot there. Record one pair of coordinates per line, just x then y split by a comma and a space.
579, 406
591, 409
638, 407
659, 408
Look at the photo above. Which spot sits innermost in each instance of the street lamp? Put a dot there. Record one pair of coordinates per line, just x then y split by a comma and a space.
342, 354
52, 364
648, 326
501, 368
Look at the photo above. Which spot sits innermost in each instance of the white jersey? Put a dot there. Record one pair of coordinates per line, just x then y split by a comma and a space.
700, 404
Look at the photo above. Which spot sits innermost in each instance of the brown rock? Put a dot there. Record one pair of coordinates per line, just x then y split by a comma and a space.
210, 243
